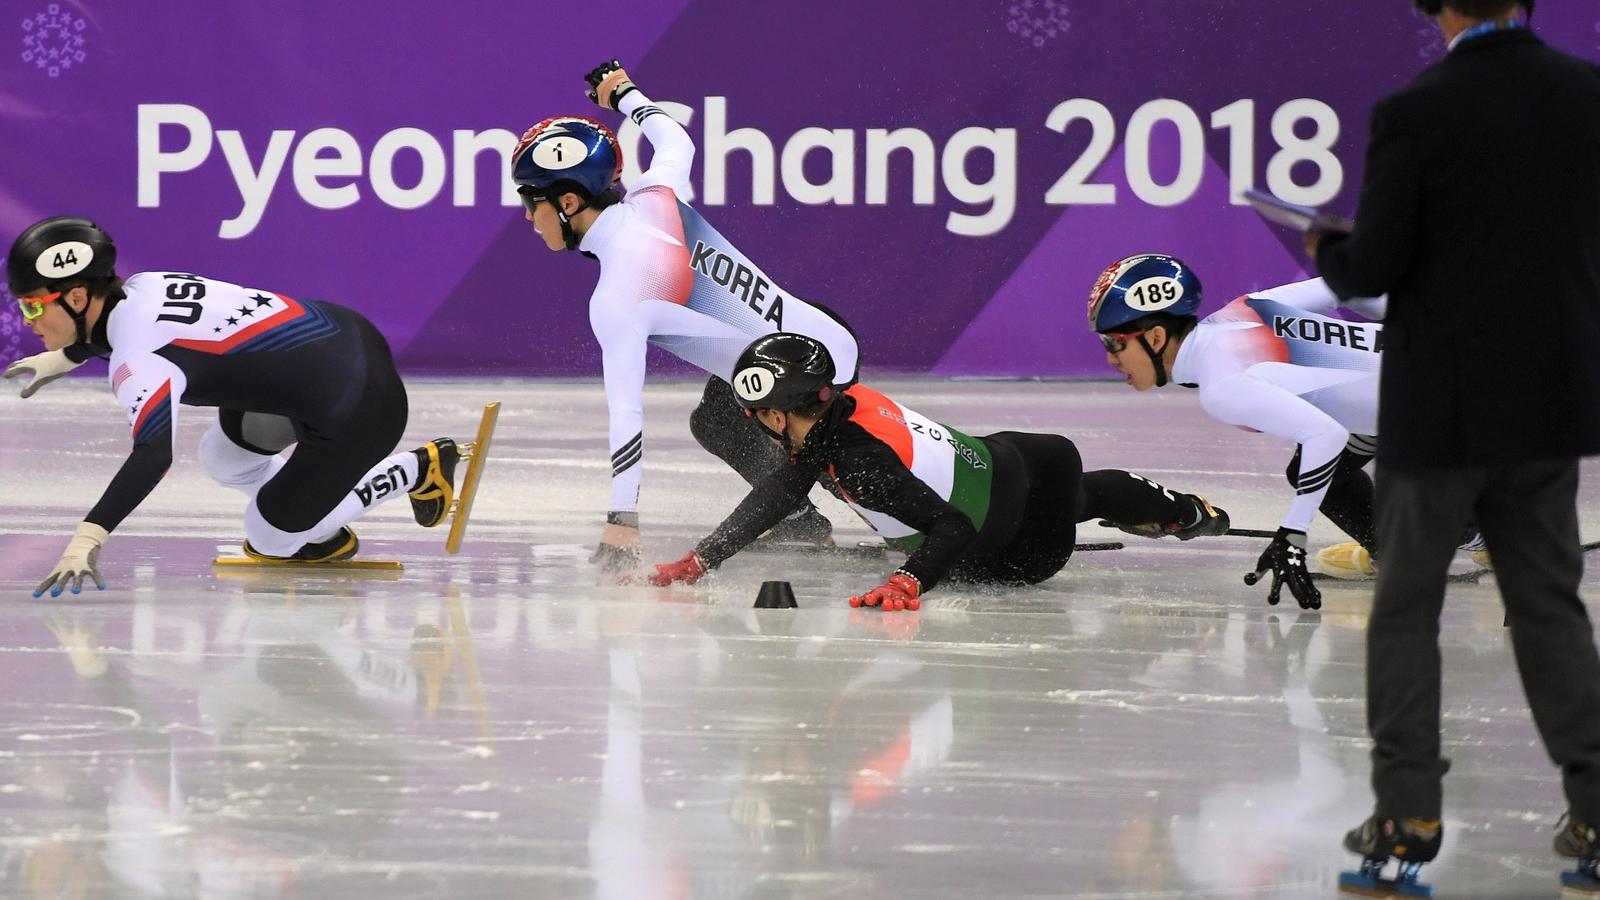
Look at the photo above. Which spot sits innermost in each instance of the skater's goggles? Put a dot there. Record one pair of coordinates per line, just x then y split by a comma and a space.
33, 307
1116, 342
530, 198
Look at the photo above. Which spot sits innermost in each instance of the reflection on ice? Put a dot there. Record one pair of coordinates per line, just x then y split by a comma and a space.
507, 723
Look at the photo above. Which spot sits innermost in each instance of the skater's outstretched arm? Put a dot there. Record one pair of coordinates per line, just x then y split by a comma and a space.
150, 388
671, 146
772, 498
623, 337
1314, 295
612, 88
877, 480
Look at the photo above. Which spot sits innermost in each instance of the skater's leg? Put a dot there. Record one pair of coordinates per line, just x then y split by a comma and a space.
337, 473
1124, 497
719, 424
1139, 506
1529, 518
1421, 513
233, 459
1348, 503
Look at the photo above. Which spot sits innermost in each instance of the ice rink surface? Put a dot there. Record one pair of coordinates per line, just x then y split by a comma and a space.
508, 723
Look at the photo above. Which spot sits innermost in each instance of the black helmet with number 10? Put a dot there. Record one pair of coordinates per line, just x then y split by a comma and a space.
783, 371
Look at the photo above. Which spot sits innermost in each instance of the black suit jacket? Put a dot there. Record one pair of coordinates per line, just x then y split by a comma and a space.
1480, 217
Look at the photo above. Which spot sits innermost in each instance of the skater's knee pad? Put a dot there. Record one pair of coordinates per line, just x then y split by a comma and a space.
262, 433
229, 464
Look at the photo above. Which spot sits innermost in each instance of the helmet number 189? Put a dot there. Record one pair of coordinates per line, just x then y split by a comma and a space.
1153, 294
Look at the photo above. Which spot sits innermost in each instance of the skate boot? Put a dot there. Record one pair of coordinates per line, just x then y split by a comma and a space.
1200, 519
1576, 840
1411, 842
1197, 518
1348, 561
805, 529
1474, 544
340, 547
436, 477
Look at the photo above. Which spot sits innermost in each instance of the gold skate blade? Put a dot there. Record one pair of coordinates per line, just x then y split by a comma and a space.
343, 565
461, 509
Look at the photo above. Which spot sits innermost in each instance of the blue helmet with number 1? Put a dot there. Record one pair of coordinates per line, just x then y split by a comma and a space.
567, 148
1140, 285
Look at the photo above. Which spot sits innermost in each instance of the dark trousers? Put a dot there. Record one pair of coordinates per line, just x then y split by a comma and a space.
1060, 494
1528, 516
329, 458
1047, 526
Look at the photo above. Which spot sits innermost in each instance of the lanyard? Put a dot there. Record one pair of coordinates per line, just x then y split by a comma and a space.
1483, 28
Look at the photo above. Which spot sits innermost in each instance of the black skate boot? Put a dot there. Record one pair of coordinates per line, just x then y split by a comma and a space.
1200, 519
1411, 842
436, 478
1579, 841
805, 529
1196, 518
340, 547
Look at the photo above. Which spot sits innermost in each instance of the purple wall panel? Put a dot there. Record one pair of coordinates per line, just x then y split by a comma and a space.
461, 284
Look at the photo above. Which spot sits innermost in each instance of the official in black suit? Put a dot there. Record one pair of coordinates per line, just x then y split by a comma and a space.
1480, 218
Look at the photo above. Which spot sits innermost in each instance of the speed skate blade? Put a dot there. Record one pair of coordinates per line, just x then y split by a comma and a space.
1580, 883
1360, 885
343, 565
478, 453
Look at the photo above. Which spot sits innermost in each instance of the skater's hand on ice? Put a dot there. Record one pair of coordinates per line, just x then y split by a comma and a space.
608, 84
901, 591
81, 559
619, 543
41, 369
1285, 558
687, 570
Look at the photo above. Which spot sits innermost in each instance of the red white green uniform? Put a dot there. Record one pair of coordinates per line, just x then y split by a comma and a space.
1002, 508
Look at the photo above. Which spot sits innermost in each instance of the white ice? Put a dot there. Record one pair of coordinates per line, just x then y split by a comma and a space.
510, 723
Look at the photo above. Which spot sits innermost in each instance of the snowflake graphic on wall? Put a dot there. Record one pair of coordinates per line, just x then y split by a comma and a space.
1037, 21
53, 40
11, 329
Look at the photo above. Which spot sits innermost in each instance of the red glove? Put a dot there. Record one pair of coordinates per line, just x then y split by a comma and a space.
687, 570
899, 592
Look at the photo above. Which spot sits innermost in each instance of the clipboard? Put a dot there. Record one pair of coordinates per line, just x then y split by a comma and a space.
1293, 215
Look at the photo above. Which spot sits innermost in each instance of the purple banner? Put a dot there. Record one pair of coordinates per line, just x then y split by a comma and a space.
948, 177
